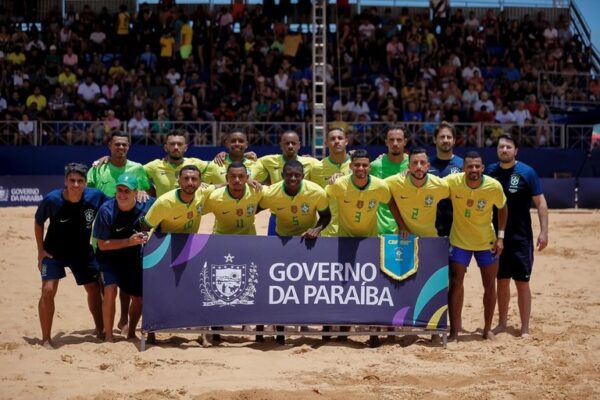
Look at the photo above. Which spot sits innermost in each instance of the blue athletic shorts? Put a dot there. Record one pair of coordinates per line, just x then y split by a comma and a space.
484, 258
516, 260
83, 271
272, 224
127, 279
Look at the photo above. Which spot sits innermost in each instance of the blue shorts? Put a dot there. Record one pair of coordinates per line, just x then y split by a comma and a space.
516, 260
484, 258
127, 279
272, 224
84, 271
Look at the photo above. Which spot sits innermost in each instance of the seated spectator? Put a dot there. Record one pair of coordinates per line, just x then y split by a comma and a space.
471, 24
484, 101
505, 118
188, 104
343, 106
360, 107
161, 126
483, 115
412, 114
116, 71
38, 98
26, 131
172, 76
149, 58
139, 127
522, 115
67, 78
98, 39
542, 122
469, 98
16, 56
70, 59
89, 91
109, 90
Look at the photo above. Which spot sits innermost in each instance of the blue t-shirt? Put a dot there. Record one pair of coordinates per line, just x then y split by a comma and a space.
520, 184
442, 168
68, 235
112, 223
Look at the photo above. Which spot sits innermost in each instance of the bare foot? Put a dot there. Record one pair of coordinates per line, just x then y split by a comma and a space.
109, 339
121, 325
499, 328
132, 337
435, 338
47, 344
453, 337
489, 335
99, 333
124, 330
525, 335
204, 342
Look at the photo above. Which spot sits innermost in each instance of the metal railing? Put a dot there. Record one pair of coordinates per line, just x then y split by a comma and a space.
12, 133
197, 133
468, 134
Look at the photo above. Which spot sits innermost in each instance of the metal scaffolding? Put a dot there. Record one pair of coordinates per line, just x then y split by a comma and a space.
319, 76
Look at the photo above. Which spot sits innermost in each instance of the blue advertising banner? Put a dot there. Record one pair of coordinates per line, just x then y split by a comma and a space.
204, 280
23, 190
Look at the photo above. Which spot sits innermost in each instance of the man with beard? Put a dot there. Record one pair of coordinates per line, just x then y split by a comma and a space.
327, 170
415, 197
391, 164
268, 169
474, 196
521, 185
443, 164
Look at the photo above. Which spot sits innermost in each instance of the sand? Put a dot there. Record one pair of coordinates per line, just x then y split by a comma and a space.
560, 361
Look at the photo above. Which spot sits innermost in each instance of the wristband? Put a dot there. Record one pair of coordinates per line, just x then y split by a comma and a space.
501, 234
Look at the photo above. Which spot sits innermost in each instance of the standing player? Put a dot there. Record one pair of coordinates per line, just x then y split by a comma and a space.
163, 172
71, 211
118, 230
521, 185
296, 203
358, 196
268, 169
474, 196
180, 210
415, 196
325, 171
104, 177
390, 164
443, 164
236, 144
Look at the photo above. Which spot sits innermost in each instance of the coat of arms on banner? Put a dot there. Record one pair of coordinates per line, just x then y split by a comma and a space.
228, 284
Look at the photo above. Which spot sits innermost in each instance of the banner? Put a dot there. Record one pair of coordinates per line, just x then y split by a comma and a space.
24, 190
204, 280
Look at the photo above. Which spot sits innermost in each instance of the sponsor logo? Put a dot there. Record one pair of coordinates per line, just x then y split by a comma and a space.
458, 197
177, 217
280, 208
23, 195
404, 197
228, 284
120, 229
62, 221
4, 194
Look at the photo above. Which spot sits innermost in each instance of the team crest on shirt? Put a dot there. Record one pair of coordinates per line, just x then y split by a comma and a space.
372, 204
470, 203
454, 170
305, 208
428, 201
360, 204
89, 217
481, 204
514, 183
229, 283
199, 209
239, 212
294, 209
250, 209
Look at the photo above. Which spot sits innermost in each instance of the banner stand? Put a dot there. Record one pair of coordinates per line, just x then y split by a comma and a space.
362, 330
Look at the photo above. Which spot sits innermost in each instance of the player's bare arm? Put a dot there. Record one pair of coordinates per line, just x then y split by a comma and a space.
542, 207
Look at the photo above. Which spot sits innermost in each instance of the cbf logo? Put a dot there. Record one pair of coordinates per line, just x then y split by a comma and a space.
372, 204
481, 204
455, 170
514, 183
428, 201
4, 193
228, 284
89, 216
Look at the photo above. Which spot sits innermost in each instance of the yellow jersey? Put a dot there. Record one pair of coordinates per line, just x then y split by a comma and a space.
215, 174
163, 174
418, 205
186, 35
358, 207
233, 216
170, 214
295, 214
472, 227
320, 174
271, 167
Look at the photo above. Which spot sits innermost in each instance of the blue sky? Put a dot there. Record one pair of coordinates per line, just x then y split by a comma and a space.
591, 12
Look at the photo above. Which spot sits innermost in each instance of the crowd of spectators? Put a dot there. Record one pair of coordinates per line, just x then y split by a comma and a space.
160, 66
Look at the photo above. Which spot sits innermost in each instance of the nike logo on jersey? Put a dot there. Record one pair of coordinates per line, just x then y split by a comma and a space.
119, 229
177, 217
279, 209
62, 221
347, 201
403, 197
458, 197
225, 212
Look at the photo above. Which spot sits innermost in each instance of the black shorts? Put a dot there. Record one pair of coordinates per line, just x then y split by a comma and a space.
128, 279
516, 260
